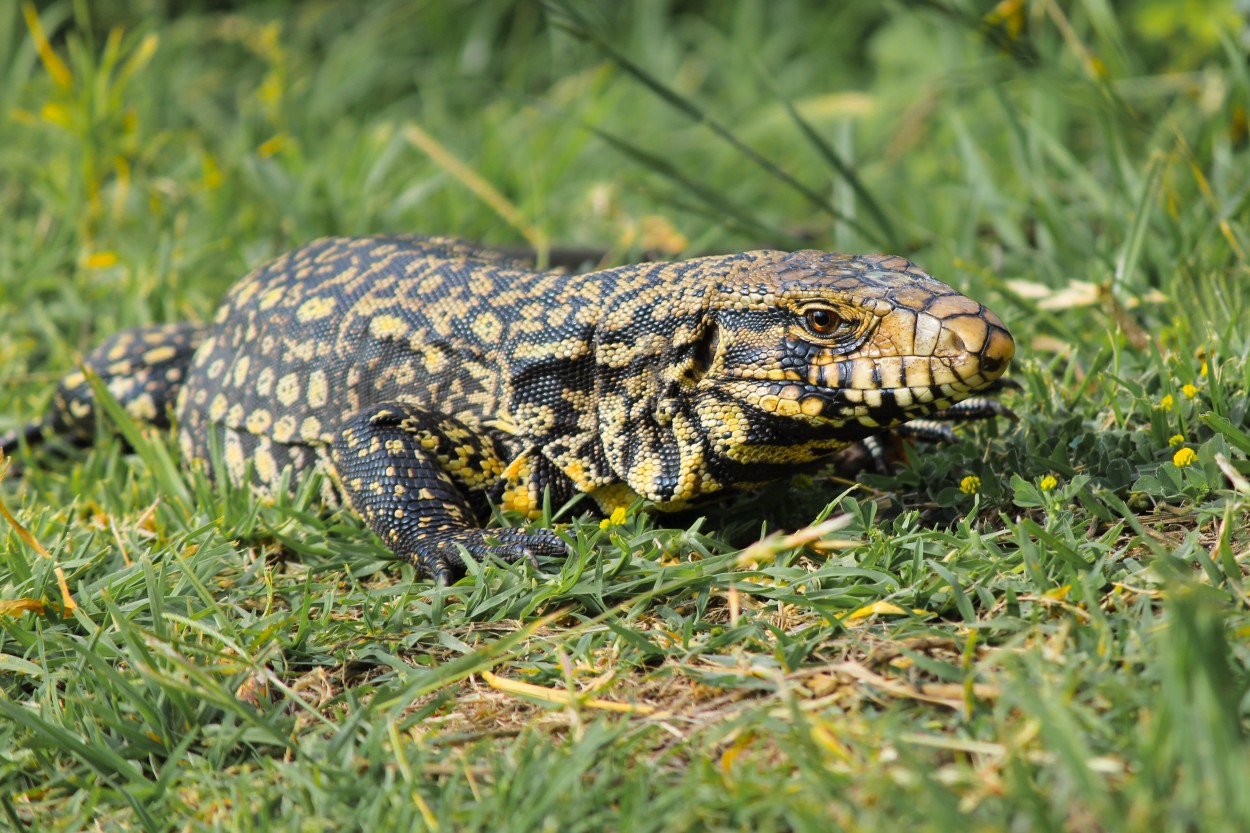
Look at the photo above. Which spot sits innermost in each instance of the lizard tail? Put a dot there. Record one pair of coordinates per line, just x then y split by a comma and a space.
143, 368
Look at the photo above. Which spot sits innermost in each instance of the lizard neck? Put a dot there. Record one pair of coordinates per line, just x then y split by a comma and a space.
651, 349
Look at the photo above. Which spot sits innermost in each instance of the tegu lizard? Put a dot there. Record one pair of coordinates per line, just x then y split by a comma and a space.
430, 379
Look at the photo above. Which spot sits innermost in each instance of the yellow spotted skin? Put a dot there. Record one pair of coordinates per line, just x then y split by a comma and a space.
429, 378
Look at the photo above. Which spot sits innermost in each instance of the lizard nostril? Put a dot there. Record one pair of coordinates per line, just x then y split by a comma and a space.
957, 341
997, 352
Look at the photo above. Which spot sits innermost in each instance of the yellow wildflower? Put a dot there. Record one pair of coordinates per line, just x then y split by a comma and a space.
1190, 391
100, 260
57, 114
1203, 371
1175, 440
970, 485
1166, 403
213, 176
1184, 457
615, 519
273, 145
1048, 483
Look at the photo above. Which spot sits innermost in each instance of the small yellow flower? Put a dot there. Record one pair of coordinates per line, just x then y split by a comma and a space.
212, 173
970, 485
1203, 371
100, 260
615, 519
54, 113
273, 145
1048, 483
1184, 457
1175, 440
1190, 391
1166, 403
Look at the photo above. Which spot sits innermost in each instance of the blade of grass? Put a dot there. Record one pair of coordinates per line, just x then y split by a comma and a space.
155, 454
712, 198
476, 183
839, 165
575, 24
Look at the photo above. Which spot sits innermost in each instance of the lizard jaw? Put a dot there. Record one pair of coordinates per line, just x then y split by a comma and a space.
879, 390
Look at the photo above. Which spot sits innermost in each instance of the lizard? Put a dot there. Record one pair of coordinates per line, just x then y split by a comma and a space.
430, 379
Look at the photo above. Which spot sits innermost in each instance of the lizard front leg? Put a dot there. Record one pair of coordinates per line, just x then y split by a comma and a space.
416, 477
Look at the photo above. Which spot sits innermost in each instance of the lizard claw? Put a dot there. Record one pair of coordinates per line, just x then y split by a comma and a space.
442, 561
516, 545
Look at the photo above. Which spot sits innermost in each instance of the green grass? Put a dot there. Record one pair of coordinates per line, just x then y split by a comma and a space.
1033, 657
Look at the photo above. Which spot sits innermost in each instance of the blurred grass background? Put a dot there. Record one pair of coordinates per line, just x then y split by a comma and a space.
1062, 647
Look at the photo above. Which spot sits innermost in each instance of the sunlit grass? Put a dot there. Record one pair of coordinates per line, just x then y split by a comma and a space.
1043, 627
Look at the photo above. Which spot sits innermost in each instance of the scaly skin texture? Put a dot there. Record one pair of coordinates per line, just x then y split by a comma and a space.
429, 378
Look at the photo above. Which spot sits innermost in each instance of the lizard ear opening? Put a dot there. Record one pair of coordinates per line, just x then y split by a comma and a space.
705, 350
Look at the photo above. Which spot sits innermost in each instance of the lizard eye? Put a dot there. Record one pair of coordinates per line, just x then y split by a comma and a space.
821, 321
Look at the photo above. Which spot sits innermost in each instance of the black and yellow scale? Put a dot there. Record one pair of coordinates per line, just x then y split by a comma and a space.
430, 378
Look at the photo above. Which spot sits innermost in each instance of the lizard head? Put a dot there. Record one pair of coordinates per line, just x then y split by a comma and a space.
813, 347
737, 370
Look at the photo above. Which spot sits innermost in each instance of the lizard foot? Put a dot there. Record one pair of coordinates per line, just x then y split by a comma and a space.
441, 557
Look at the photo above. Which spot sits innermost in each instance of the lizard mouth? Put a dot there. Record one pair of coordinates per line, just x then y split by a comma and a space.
874, 408
881, 391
